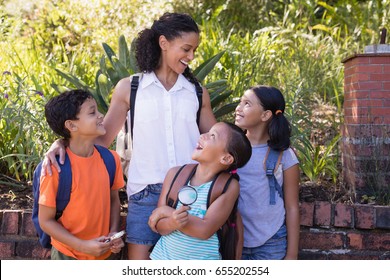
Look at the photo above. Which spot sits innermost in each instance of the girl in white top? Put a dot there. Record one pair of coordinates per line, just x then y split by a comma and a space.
270, 231
165, 129
190, 232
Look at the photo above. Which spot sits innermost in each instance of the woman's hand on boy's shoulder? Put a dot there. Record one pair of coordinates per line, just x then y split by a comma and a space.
57, 148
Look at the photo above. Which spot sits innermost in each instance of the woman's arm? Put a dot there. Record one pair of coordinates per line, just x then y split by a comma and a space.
291, 204
117, 112
207, 118
113, 122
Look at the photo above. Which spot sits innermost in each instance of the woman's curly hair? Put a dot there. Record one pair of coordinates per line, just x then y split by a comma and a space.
147, 48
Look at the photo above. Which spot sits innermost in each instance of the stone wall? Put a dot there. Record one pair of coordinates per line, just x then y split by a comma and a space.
328, 231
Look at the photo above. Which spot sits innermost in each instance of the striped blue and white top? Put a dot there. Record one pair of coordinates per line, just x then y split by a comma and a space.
179, 246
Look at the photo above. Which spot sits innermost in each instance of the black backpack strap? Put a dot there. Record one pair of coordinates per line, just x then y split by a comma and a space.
181, 178
199, 93
219, 186
133, 94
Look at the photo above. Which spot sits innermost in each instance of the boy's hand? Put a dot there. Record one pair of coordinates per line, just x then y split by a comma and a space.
116, 244
95, 247
57, 148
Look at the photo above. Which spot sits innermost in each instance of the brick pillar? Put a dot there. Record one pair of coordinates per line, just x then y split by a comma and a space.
366, 131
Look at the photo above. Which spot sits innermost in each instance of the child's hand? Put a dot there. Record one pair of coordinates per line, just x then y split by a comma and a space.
95, 247
157, 214
180, 217
116, 244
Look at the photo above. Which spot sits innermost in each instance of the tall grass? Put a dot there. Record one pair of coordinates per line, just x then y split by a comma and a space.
294, 45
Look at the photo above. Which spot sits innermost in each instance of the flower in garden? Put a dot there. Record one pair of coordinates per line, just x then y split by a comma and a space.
39, 93
6, 95
6, 73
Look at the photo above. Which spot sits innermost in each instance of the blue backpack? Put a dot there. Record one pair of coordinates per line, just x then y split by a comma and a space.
64, 189
273, 157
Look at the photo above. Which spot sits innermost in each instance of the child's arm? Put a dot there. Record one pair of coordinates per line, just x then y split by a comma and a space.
165, 219
114, 211
216, 214
49, 225
240, 236
117, 244
207, 118
291, 204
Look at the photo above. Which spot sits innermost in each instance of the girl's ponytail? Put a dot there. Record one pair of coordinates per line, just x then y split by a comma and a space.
279, 131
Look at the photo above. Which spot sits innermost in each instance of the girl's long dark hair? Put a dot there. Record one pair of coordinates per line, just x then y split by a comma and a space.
240, 148
228, 236
147, 48
279, 128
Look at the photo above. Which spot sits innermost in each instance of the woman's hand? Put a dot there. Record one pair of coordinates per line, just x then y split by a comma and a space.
57, 148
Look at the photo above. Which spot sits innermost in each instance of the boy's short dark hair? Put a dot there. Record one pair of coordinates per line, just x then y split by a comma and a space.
65, 107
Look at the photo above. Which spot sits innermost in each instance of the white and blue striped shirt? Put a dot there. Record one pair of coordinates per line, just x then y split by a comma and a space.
179, 246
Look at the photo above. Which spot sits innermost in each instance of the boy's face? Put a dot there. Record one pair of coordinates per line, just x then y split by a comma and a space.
90, 120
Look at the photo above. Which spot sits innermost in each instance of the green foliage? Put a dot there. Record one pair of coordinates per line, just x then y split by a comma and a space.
320, 161
114, 67
297, 46
22, 133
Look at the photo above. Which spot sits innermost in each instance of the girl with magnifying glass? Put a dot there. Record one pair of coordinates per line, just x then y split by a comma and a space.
189, 231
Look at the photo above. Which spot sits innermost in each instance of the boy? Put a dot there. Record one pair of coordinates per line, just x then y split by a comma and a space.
93, 211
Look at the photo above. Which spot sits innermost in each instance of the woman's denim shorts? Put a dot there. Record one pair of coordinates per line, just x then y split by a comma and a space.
140, 208
274, 248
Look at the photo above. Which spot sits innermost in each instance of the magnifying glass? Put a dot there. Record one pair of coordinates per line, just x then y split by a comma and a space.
187, 195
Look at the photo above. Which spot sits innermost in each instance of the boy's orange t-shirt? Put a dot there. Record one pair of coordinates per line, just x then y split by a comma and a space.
87, 215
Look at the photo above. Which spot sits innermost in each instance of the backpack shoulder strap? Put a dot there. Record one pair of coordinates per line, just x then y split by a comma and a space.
109, 161
271, 163
64, 187
219, 186
133, 93
199, 93
181, 178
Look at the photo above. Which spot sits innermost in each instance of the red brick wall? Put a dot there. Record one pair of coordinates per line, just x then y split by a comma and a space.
328, 231
366, 130
339, 231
